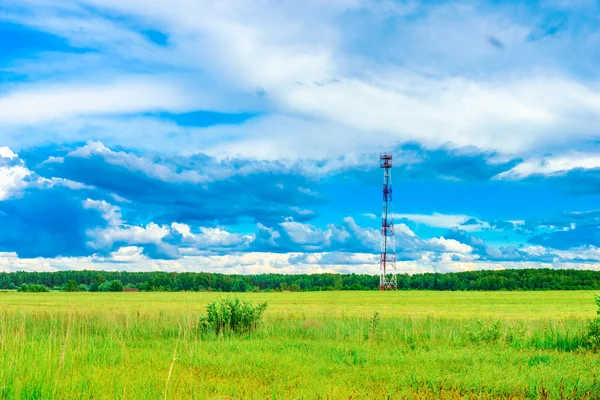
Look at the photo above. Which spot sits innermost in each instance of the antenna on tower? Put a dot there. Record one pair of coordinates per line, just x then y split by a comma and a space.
387, 259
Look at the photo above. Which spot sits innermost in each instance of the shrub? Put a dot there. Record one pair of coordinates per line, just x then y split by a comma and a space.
104, 287
593, 334
294, 288
486, 331
593, 331
231, 315
33, 288
116, 286
84, 288
373, 324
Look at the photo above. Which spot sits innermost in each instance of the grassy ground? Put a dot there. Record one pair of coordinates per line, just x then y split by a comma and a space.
312, 345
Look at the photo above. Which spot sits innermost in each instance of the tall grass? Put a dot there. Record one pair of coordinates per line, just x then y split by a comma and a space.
127, 353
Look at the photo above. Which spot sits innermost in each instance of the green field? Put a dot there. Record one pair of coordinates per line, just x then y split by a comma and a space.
311, 345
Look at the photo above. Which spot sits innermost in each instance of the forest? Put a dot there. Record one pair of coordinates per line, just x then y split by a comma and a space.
510, 279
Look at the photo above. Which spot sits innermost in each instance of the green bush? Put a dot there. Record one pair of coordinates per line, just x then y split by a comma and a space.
231, 315
294, 288
485, 331
116, 286
111, 286
71, 286
33, 288
593, 334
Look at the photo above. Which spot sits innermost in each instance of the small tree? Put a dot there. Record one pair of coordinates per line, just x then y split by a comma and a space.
71, 286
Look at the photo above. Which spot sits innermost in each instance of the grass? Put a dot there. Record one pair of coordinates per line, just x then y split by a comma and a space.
327, 345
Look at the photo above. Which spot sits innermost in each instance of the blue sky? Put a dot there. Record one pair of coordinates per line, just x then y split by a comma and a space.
243, 137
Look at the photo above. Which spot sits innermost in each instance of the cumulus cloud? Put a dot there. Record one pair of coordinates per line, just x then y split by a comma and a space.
12, 180
222, 132
451, 245
6, 152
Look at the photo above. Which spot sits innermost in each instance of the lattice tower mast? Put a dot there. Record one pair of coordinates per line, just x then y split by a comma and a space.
387, 259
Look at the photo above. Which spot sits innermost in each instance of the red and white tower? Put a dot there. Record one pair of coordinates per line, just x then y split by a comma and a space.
387, 260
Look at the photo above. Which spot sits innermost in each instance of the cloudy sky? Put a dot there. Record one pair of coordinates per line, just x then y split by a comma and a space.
243, 136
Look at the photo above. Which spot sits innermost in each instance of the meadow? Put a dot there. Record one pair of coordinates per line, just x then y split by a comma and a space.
325, 345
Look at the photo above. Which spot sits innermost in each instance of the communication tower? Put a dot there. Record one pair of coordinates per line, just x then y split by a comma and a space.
387, 259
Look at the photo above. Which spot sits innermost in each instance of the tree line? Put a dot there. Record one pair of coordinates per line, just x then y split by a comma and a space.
513, 279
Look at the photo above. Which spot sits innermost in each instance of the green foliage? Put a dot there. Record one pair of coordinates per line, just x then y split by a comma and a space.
99, 279
231, 315
104, 287
240, 285
593, 331
71, 286
485, 331
510, 279
111, 286
373, 324
116, 286
294, 287
84, 288
33, 288
593, 334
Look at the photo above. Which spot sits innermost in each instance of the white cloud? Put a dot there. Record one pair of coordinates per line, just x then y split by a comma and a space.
130, 258
208, 239
336, 98
553, 165
137, 163
437, 220
128, 254
402, 228
104, 238
112, 214
451, 245
13, 174
306, 234
119, 232
37, 104
12, 180
6, 152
